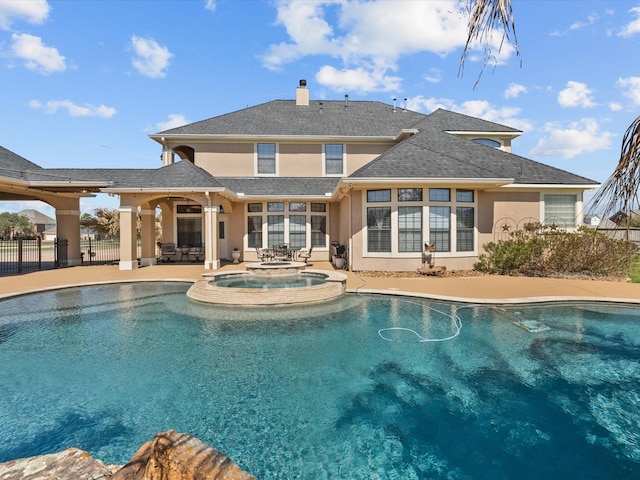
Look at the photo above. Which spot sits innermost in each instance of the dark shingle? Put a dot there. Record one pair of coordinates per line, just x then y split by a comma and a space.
432, 153
289, 186
283, 117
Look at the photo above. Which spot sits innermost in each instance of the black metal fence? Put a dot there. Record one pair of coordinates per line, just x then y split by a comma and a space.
25, 255
97, 252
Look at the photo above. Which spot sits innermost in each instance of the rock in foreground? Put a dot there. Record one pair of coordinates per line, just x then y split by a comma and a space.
170, 456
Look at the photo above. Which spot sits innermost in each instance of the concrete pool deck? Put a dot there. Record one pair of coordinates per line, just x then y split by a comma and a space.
474, 289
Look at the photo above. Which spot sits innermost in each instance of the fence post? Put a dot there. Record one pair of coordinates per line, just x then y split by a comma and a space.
39, 253
19, 255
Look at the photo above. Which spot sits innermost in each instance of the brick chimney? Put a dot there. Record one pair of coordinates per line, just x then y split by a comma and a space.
302, 94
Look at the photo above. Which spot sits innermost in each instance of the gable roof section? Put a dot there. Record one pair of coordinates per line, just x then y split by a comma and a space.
433, 153
37, 217
13, 165
321, 118
447, 121
182, 175
289, 187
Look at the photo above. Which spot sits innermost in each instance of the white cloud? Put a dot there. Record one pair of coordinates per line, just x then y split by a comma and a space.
434, 75
151, 59
476, 108
615, 107
369, 38
87, 110
175, 120
33, 11
36, 55
631, 86
632, 27
210, 5
591, 19
577, 94
358, 80
579, 137
514, 90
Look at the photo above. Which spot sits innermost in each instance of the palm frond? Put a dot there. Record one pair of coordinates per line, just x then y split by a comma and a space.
486, 17
620, 191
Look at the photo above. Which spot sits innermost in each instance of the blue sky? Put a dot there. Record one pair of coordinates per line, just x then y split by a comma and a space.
83, 83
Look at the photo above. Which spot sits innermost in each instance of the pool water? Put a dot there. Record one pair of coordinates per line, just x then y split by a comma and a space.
295, 280
327, 391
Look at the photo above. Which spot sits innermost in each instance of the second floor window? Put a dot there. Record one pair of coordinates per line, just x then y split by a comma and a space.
266, 159
334, 159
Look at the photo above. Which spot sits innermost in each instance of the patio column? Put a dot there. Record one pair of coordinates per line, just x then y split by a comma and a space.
68, 228
148, 237
211, 257
128, 239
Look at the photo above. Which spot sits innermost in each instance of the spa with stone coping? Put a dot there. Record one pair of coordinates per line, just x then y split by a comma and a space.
326, 285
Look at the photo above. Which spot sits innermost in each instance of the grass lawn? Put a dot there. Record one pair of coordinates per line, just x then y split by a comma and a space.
634, 274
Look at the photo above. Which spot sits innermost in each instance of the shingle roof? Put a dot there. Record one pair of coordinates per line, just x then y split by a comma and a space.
281, 186
432, 153
181, 174
320, 118
13, 165
448, 121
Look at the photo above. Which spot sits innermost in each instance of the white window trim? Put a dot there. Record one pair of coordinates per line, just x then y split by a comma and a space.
255, 160
265, 224
579, 207
324, 160
425, 204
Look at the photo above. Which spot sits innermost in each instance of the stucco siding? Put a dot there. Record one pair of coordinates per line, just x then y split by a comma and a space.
226, 159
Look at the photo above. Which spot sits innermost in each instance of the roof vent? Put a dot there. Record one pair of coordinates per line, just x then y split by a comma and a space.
346, 101
394, 104
321, 107
302, 94
404, 107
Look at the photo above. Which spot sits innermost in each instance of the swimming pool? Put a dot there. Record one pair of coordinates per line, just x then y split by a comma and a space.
327, 391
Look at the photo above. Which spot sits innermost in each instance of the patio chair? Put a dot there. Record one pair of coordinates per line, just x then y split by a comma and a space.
196, 252
167, 252
305, 255
264, 254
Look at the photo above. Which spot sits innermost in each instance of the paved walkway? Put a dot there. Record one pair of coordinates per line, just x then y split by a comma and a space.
485, 289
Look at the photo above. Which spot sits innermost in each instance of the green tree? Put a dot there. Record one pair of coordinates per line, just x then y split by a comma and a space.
14, 224
104, 223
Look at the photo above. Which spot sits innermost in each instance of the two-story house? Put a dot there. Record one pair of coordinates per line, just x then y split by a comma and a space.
378, 178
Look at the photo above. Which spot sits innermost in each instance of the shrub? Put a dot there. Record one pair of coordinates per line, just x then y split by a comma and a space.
547, 253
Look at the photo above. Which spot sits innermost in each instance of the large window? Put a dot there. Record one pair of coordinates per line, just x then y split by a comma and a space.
297, 231
287, 223
266, 159
189, 225
379, 229
318, 231
464, 229
560, 210
400, 221
275, 230
440, 228
334, 159
410, 229
254, 230
189, 231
